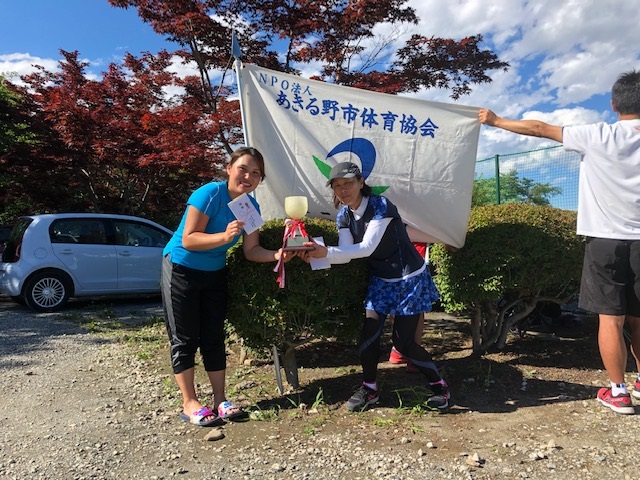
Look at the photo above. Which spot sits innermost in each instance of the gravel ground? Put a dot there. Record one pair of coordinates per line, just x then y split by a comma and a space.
78, 405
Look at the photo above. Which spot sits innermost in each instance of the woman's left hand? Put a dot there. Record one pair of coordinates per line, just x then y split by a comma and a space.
286, 256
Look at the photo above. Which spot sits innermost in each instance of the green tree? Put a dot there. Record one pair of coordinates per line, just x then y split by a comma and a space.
513, 189
20, 133
324, 303
15, 127
515, 256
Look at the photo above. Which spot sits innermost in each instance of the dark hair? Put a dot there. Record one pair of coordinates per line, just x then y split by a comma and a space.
625, 93
240, 152
366, 192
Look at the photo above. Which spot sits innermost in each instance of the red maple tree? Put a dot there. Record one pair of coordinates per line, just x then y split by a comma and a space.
338, 35
122, 141
138, 138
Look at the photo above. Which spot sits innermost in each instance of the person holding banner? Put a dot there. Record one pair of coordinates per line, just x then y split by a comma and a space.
369, 226
609, 218
194, 283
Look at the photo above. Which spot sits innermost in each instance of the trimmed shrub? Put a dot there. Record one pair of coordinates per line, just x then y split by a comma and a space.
515, 255
313, 304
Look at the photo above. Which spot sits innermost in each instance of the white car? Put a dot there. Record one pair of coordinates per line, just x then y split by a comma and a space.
50, 258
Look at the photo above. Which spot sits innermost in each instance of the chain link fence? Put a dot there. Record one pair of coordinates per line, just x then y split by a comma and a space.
551, 169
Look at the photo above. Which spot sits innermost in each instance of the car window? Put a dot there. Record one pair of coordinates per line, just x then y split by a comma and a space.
13, 245
78, 230
138, 234
4, 237
4, 233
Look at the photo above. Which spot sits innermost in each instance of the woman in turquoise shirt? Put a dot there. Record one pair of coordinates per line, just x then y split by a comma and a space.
194, 283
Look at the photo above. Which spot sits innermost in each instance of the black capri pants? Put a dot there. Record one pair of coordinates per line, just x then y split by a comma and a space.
195, 308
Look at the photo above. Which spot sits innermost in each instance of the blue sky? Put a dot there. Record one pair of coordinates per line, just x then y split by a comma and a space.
101, 33
564, 55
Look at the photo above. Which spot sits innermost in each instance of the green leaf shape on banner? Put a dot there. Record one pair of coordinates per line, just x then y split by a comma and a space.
324, 168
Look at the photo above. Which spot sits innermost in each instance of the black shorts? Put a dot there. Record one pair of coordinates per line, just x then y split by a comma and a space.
195, 307
611, 277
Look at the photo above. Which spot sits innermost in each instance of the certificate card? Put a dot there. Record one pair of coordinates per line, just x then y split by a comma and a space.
245, 212
319, 263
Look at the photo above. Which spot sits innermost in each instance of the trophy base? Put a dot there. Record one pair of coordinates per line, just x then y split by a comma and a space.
295, 244
300, 248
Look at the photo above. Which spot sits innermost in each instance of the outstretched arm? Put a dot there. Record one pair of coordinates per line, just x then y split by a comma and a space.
533, 128
347, 250
256, 253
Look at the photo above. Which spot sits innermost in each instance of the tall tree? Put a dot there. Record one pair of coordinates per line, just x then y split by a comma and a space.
203, 37
120, 141
21, 171
337, 35
15, 124
119, 144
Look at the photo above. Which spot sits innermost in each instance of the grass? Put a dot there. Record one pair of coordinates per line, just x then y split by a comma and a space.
328, 370
107, 321
401, 419
264, 415
318, 402
145, 336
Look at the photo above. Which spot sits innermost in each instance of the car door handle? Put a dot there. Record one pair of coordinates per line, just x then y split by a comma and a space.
125, 254
66, 251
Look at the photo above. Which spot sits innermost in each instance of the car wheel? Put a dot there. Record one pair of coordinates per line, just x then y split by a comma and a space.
47, 291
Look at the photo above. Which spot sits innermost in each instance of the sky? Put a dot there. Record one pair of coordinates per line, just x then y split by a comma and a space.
564, 55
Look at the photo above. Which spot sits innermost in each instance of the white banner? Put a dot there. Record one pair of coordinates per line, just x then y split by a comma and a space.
420, 155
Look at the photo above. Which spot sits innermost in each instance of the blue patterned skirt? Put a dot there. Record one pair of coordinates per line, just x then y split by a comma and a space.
406, 297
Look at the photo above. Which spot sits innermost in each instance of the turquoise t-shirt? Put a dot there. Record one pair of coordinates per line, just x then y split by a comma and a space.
211, 199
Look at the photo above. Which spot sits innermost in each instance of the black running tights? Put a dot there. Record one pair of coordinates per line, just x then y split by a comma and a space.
403, 335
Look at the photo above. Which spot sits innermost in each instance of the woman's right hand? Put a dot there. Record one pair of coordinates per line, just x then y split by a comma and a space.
233, 228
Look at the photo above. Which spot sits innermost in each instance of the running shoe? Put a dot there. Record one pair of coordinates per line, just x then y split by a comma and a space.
619, 403
635, 393
396, 357
440, 398
362, 398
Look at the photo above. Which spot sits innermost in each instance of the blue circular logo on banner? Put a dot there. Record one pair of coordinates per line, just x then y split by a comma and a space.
362, 148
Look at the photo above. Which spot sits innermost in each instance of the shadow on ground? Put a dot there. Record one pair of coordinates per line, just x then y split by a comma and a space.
536, 369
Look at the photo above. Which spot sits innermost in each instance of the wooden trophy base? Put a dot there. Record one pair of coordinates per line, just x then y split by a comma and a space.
295, 244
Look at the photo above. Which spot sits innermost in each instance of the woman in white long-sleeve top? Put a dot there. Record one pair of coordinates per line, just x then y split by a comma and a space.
369, 226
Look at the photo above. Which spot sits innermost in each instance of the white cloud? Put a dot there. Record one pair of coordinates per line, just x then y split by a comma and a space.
14, 65
564, 56
182, 69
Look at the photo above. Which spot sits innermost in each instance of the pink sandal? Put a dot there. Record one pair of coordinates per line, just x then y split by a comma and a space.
198, 417
228, 411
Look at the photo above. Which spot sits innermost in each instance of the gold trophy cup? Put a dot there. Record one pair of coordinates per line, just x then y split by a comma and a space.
295, 233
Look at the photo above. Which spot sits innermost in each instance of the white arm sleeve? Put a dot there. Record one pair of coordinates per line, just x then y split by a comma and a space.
347, 250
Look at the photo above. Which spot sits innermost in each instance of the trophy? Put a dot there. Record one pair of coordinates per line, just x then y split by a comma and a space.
295, 234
